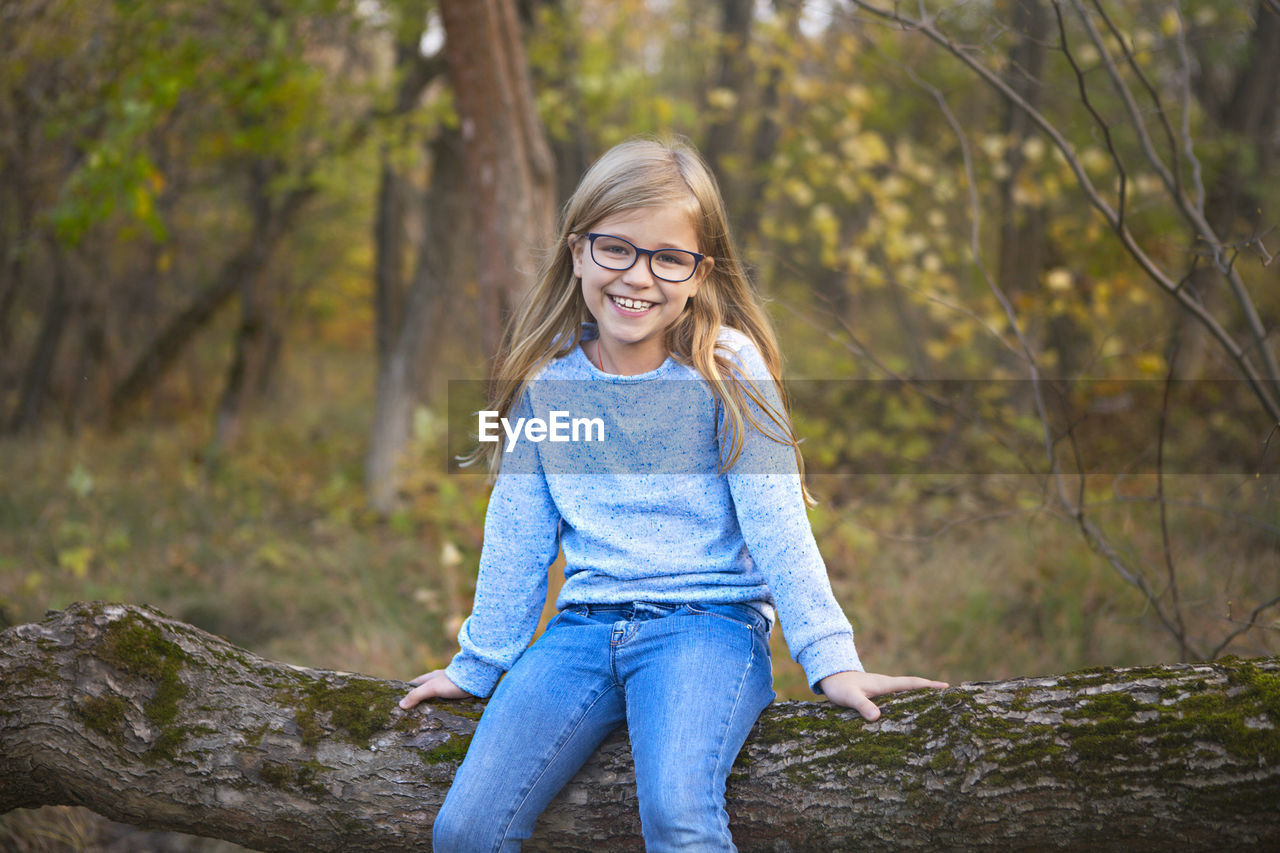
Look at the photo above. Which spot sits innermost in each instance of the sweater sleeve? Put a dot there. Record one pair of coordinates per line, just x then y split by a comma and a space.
765, 484
521, 540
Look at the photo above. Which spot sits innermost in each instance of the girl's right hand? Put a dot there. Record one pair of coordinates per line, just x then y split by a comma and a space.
433, 685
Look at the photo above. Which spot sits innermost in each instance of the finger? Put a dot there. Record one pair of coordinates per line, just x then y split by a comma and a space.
418, 694
909, 682
865, 707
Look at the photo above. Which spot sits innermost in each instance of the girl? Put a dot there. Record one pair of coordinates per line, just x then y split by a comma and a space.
682, 529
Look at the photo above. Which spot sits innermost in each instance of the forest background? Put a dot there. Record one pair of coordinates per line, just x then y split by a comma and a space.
1019, 254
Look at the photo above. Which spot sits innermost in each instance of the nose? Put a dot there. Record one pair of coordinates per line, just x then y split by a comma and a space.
639, 275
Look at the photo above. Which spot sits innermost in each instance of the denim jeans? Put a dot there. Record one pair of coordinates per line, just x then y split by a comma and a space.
688, 680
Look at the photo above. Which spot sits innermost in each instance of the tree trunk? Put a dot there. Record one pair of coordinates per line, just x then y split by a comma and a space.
405, 372
508, 162
39, 369
156, 723
734, 73
407, 312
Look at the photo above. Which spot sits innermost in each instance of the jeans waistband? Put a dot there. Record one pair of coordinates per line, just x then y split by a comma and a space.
631, 611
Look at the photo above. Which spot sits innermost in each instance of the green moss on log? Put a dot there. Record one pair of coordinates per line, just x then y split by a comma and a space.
103, 714
452, 750
303, 776
358, 709
139, 648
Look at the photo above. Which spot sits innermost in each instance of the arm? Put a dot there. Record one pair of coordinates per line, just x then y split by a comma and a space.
765, 485
521, 540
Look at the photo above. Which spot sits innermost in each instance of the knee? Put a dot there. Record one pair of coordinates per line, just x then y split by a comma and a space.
684, 817
456, 831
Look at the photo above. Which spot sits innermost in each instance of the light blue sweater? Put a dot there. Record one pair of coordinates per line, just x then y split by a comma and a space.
643, 515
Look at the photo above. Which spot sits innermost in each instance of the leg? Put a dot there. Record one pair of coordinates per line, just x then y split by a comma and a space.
546, 717
695, 684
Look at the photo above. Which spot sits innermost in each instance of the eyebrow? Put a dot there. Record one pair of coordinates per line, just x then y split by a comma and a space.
632, 240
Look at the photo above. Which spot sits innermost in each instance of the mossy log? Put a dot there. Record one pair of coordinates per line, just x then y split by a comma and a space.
155, 723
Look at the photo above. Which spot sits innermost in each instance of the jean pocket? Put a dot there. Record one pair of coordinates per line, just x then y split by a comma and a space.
743, 614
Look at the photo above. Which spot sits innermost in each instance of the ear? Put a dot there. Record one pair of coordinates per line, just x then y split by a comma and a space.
576, 247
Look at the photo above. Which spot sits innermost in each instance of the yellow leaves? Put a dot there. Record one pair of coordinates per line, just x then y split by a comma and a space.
1150, 364
77, 559
1059, 280
799, 192
143, 206
847, 185
993, 145
825, 223
722, 98
865, 150
1170, 23
855, 258
1028, 193
896, 214
857, 97
938, 350
805, 88
894, 187
1206, 15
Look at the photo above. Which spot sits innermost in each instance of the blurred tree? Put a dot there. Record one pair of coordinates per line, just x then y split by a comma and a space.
132, 132
411, 306
508, 162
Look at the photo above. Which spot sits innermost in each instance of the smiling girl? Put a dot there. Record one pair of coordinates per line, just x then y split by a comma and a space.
680, 551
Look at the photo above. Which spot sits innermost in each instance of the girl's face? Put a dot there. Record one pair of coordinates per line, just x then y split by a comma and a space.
633, 308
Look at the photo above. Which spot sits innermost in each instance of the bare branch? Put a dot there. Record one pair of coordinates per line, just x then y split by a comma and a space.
1195, 216
1197, 179
1246, 627
1097, 117
1170, 572
1132, 62
1262, 390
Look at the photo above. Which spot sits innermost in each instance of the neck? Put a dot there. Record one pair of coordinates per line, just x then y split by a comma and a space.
628, 362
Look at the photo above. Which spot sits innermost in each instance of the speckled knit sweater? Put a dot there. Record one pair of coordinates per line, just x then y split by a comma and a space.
643, 515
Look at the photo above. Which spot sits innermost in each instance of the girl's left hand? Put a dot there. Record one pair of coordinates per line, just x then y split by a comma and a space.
856, 689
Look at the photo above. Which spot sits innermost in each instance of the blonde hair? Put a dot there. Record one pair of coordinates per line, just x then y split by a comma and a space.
644, 173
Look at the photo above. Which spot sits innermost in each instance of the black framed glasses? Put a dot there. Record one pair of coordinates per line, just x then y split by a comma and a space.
617, 254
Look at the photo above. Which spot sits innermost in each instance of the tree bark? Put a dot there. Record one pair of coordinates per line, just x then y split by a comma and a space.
153, 722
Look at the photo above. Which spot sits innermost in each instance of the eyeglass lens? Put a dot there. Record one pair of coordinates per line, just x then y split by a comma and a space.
674, 265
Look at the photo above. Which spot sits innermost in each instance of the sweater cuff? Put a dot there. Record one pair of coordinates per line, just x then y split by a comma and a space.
473, 675
827, 656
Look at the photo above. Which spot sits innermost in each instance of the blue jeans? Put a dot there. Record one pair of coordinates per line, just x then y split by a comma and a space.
688, 680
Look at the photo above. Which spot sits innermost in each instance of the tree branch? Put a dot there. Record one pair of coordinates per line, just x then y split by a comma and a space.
153, 722
1261, 387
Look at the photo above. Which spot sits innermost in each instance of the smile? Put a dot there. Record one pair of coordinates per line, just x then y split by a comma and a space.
631, 305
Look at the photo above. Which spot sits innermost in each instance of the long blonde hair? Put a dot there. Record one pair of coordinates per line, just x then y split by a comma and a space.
642, 173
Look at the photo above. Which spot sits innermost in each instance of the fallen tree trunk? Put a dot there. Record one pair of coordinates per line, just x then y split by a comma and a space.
155, 723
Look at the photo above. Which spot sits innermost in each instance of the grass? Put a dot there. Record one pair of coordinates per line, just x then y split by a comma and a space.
272, 546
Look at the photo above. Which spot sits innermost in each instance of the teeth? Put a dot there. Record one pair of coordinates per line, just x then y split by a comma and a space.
633, 304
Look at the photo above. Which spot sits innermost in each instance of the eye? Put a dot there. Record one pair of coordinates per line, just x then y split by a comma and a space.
674, 259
